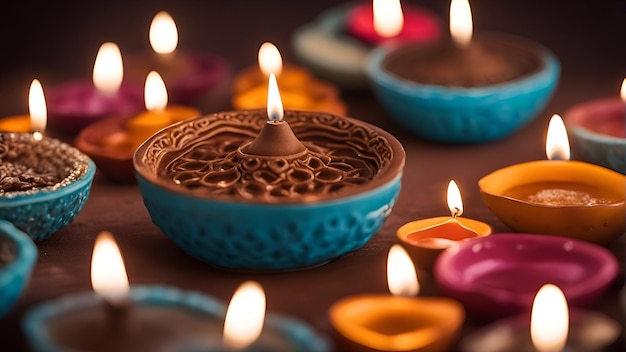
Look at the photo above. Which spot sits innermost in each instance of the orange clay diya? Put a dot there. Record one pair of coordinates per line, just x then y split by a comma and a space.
299, 90
398, 322
558, 197
425, 239
111, 143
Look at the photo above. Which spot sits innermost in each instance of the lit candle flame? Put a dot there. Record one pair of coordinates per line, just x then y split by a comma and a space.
461, 26
245, 316
108, 70
155, 93
401, 275
623, 91
274, 102
270, 60
388, 18
549, 321
557, 143
455, 202
163, 33
108, 274
37, 109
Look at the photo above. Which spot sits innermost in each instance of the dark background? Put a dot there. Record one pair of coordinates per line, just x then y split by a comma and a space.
58, 40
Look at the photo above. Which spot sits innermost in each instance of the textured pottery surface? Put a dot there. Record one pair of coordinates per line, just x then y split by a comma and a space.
284, 215
42, 212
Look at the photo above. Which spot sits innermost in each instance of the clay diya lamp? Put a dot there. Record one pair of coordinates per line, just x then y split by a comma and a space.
425, 239
550, 326
311, 187
598, 132
467, 90
299, 90
498, 275
74, 105
18, 255
111, 142
118, 317
193, 78
335, 46
558, 197
397, 322
44, 183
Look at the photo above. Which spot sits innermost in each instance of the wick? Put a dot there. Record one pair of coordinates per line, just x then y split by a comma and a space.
118, 316
275, 118
456, 212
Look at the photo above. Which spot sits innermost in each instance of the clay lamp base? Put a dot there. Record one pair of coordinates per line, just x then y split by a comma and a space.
425, 239
116, 164
598, 133
302, 208
565, 198
498, 275
45, 183
112, 142
398, 322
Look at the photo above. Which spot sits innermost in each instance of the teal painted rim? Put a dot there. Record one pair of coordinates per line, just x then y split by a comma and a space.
25, 258
34, 322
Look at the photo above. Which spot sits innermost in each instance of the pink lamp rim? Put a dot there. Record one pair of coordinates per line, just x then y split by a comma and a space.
452, 264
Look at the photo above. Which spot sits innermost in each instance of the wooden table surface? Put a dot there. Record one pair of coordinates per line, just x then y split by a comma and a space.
56, 41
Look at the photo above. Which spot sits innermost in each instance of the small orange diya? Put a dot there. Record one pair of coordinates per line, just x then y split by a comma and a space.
36, 118
398, 322
558, 197
425, 239
112, 142
299, 90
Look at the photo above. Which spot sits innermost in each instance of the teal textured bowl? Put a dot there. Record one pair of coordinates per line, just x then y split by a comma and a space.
18, 255
294, 233
207, 311
459, 114
42, 212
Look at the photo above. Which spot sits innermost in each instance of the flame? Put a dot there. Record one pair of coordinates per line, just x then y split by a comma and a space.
163, 33
388, 18
37, 109
461, 26
455, 202
245, 316
108, 70
549, 320
557, 143
155, 93
274, 102
270, 60
108, 275
401, 276
623, 91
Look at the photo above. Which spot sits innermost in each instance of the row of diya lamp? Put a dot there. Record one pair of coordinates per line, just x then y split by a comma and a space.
351, 199
471, 267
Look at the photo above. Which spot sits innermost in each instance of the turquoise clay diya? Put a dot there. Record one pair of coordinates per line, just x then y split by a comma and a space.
241, 193
18, 255
43, 183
